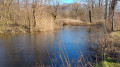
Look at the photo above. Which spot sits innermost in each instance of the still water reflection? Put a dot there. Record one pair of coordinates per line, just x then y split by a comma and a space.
50, 49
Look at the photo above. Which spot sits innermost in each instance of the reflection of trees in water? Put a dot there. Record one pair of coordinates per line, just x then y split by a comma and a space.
38, 48
9, 35
5, 36
41, 47
94, 32
74, 28
96, 29
11, 57
36, 52
13, 51
35, 49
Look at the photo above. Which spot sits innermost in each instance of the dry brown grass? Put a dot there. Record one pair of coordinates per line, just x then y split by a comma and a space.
74, 22
20, 20
117, 21
108, 47
45, 22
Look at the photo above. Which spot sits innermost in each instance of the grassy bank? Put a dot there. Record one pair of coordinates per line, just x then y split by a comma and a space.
26, 16
116, 33
107, 53
13, 28
107, 64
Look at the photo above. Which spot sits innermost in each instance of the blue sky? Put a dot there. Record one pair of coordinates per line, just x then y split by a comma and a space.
72, 1
67, 1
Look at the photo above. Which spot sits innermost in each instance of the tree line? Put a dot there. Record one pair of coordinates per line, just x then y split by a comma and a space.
38, 13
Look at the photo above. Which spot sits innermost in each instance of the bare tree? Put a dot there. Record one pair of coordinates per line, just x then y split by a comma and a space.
100, 3
56, 5
112, 13
105, 15
91, 10
34, 6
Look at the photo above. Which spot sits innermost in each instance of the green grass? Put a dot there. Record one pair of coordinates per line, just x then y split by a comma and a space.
117, 33
107, 63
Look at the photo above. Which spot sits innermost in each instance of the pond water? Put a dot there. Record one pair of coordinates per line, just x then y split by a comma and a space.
66, 47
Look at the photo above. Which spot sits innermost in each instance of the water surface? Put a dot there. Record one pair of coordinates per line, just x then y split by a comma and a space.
60, 48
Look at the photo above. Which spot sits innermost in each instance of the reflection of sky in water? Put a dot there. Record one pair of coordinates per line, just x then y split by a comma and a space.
28, 50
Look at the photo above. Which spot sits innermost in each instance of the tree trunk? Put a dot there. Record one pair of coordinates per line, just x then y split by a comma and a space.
90, 16
112, 13
34, 18
105, 16
56, 9
34, 10
99, 3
